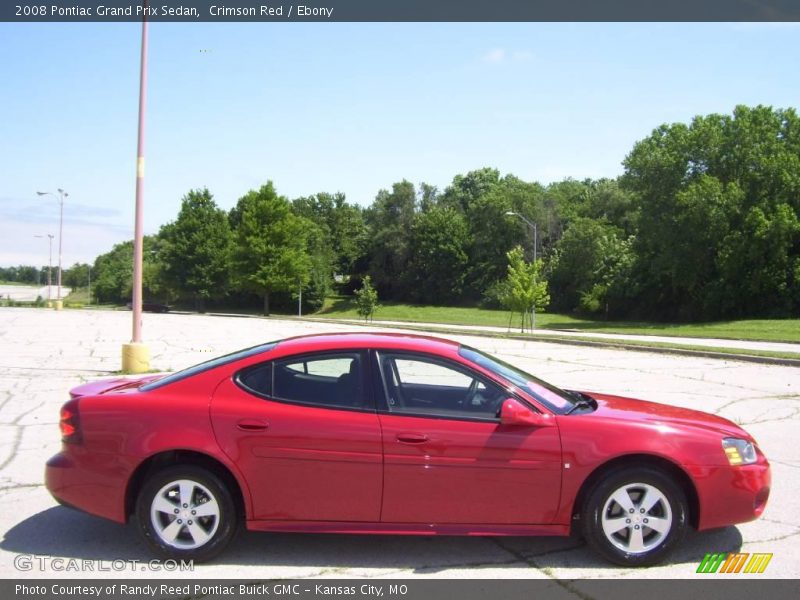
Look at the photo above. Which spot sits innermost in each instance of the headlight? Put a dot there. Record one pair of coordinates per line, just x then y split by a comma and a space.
739, 452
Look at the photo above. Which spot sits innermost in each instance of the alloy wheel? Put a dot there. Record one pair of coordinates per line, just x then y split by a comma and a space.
636, 518
184, 514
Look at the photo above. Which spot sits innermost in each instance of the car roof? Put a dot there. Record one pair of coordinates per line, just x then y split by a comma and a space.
357, 339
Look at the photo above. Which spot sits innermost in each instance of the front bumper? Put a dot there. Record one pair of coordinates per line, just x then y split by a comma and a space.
728, 495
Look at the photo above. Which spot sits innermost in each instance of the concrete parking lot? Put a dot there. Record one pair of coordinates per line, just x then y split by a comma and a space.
44, 353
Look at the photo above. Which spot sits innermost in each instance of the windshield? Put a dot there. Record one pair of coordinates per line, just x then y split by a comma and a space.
554, 398
207, 365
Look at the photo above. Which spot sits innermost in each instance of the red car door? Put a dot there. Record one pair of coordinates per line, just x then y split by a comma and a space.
447, 458
305, 437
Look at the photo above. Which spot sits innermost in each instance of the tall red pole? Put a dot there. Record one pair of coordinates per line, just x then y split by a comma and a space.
137, 232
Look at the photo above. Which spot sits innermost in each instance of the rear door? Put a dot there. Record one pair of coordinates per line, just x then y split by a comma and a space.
305, 434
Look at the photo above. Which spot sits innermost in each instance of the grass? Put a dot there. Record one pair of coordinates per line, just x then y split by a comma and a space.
612, 343
768, 330
77, 296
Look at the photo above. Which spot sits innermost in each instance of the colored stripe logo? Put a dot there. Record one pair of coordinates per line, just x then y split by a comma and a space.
734, 562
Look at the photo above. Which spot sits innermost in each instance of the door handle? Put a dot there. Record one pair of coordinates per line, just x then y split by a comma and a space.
252, 425
412, 438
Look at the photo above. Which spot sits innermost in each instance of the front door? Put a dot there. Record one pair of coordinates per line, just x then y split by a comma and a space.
447, 458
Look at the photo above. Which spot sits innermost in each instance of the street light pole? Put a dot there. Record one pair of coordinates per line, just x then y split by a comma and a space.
532, 225
136, 355
61, 195
50, 237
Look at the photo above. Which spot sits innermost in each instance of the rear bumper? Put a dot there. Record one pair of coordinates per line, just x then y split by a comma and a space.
729, 495
89, 485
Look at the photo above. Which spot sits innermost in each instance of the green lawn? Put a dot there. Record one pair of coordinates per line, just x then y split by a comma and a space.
78, 296
777, 330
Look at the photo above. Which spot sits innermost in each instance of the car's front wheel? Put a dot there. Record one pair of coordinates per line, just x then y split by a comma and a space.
635, 517
186, 512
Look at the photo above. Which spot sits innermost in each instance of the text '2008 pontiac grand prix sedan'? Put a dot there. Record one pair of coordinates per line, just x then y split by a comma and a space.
396, 434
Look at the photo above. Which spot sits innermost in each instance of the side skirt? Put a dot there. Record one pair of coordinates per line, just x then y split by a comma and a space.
406, 528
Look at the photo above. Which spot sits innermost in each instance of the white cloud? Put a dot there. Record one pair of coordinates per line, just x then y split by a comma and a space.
495, 56
501, 55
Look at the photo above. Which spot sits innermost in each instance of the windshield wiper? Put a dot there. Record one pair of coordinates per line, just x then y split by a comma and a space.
581, 402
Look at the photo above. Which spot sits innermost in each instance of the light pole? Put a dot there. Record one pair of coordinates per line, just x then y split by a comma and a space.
299, 299
49, 267
61, 195
532, 225
136, 355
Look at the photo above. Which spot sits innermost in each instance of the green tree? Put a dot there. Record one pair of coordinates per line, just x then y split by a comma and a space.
390, 219
342, 225
322, 261
717, 201
438, 259
467, 189
492, 232
366, 299
77, 276
270, 245
196, 249
590, 253
612, 290
26, 274
112, 273
525, 291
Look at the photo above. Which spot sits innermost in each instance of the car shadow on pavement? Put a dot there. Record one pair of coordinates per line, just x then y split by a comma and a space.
70, 534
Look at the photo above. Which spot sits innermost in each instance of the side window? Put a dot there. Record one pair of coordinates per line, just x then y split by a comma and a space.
257, 379
418, 385
333, 380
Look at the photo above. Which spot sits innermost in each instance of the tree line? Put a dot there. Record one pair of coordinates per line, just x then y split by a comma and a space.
702, 224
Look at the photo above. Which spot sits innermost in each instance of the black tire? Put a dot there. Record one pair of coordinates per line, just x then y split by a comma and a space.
189, 544
643, 545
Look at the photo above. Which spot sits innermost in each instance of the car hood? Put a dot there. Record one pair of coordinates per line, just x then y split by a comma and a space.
116, 384
630, 409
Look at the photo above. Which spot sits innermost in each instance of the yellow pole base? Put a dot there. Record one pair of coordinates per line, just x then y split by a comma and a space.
58, 304
49, 304
135, 358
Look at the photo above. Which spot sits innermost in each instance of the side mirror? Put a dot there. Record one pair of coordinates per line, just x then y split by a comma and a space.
513, 412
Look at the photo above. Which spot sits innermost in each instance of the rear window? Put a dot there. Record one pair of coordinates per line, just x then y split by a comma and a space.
207, 366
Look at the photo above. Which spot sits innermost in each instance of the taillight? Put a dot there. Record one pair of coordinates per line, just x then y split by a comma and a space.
70, 423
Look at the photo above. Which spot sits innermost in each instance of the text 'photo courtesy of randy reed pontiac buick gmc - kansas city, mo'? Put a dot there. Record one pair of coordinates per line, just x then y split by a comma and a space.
396, 434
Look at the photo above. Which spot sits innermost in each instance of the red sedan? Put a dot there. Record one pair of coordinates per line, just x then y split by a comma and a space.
384, 433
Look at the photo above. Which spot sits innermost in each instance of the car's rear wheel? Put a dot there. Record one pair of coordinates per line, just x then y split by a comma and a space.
186, 512
635, 517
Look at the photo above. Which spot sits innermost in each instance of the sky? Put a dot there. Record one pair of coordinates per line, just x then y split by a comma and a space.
342, 107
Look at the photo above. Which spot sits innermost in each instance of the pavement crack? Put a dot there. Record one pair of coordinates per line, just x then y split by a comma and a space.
566, 585
783, 464
20, 486
14, 447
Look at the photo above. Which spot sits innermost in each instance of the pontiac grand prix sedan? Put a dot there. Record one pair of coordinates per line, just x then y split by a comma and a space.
396, 434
